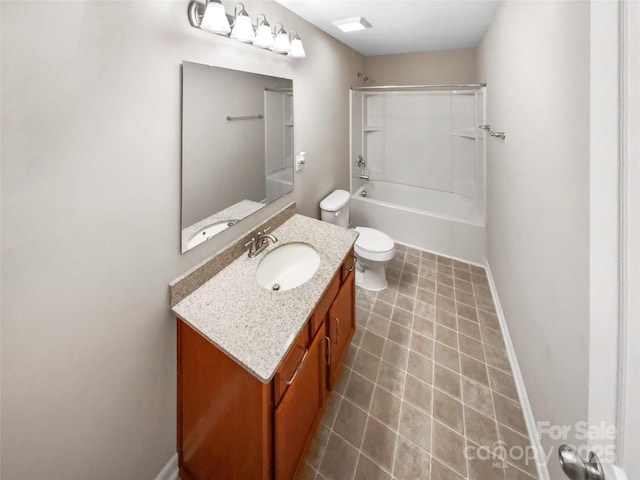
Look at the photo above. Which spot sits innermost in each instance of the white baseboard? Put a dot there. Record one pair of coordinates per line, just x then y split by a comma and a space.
541, 465
170, 470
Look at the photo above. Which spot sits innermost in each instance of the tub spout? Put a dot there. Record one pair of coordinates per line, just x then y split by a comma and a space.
364, 177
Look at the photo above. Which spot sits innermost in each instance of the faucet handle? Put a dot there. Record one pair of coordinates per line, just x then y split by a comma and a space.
250, 242
264, 231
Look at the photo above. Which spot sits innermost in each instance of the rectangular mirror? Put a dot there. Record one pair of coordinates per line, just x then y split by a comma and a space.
237, 147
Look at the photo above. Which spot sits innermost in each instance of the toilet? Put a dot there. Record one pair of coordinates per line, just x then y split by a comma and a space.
374, 249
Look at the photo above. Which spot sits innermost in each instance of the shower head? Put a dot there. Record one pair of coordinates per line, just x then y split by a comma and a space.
364, 76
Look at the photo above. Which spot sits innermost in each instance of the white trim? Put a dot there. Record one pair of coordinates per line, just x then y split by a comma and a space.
170, 470
541, 465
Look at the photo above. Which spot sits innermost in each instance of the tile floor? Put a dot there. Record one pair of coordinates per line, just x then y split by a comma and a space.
426, 380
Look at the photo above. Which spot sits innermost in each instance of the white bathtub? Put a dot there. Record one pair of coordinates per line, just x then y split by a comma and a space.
440, 222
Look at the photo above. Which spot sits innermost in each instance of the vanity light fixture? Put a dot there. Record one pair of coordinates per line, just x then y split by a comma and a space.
352, 24
264, 37
297, 50
210, 17
242, 29
282, 43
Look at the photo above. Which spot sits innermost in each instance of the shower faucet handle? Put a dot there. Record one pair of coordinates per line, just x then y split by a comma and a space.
577, 469
361, 161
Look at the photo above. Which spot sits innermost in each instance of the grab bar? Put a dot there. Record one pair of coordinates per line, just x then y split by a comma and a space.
247, 117
501, 135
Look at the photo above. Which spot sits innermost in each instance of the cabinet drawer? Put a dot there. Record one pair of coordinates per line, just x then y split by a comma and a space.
325, 302
290, 365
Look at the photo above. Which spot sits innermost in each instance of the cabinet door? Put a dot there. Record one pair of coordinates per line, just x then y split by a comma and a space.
296, 415
341, 325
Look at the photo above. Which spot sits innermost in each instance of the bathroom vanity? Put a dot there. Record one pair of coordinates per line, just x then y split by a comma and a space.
256, 365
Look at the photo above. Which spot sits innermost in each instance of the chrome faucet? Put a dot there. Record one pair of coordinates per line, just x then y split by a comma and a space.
258, 243
363, 176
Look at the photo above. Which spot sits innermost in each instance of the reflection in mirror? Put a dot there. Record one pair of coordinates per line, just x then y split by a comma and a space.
237, 147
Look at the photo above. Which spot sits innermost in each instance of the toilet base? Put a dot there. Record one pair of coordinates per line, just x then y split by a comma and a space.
373, 278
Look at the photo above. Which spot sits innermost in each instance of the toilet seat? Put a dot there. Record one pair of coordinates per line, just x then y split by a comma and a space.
373, 244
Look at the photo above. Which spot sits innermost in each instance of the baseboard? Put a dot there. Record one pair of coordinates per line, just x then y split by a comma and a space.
541, 465
170, 470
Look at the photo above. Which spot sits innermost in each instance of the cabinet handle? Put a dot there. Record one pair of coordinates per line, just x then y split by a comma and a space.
328, 362
350, 269
295, 374
337, 331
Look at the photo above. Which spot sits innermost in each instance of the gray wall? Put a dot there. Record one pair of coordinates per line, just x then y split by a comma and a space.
447, 66
91, 218
535, 60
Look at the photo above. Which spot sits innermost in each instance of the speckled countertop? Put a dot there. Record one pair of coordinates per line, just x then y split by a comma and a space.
253, 325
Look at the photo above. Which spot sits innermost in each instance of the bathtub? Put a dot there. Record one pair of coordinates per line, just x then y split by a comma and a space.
439, 222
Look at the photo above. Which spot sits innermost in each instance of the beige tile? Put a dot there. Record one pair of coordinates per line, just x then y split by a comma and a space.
439, 471
463, 286
479, 279
399, 334
477, 396
385, 407
481, 290
426, 281
503, 383
423, 326
395, 354
447, 357
331, 409
420, 367
341, 381
445, 303
409, 289
318, 445
411, 462
428, 271
480, 429
422, 345
483, 465
339, 460
513, 473
350, 423
445, 290
368, 470
359, 391
477, 270
461, 275
519, 450
446, 318
484, 303
402, 317
408, 277
457, 264
366, 365
427, 256
469, 328
449, 448
446, 380
444, 260
448, 410
424, 310
497, 359
426, 296
466, 311
308, 472
351, 356
473, 369
488, 320
445, 278
412, 257
405, 302
391, 378
471, 347
372, 343
379, 443
362, 317
418, 393
357, 336
447, 336
493, 338
393, 272
509, 413
465, 298
365, 300
416, 426
383, 308
411, 268
388, 295
378, 324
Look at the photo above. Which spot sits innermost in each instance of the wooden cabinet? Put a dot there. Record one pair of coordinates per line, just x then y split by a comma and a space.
231, 425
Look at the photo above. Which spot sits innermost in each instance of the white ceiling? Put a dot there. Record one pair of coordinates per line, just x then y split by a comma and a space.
402, 26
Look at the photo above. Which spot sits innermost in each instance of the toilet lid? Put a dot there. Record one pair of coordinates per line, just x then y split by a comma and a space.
373, 240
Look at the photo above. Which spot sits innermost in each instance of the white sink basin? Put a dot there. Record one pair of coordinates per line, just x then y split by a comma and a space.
287, 266
209, 231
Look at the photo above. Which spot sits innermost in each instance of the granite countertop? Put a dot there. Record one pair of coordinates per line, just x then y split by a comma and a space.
253, 325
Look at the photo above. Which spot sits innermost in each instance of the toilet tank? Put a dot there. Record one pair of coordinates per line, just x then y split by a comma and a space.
335, 208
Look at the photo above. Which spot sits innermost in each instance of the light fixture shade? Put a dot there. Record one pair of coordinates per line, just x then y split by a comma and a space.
297, 50
282, 44
264, 37
214, 19
242, 29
